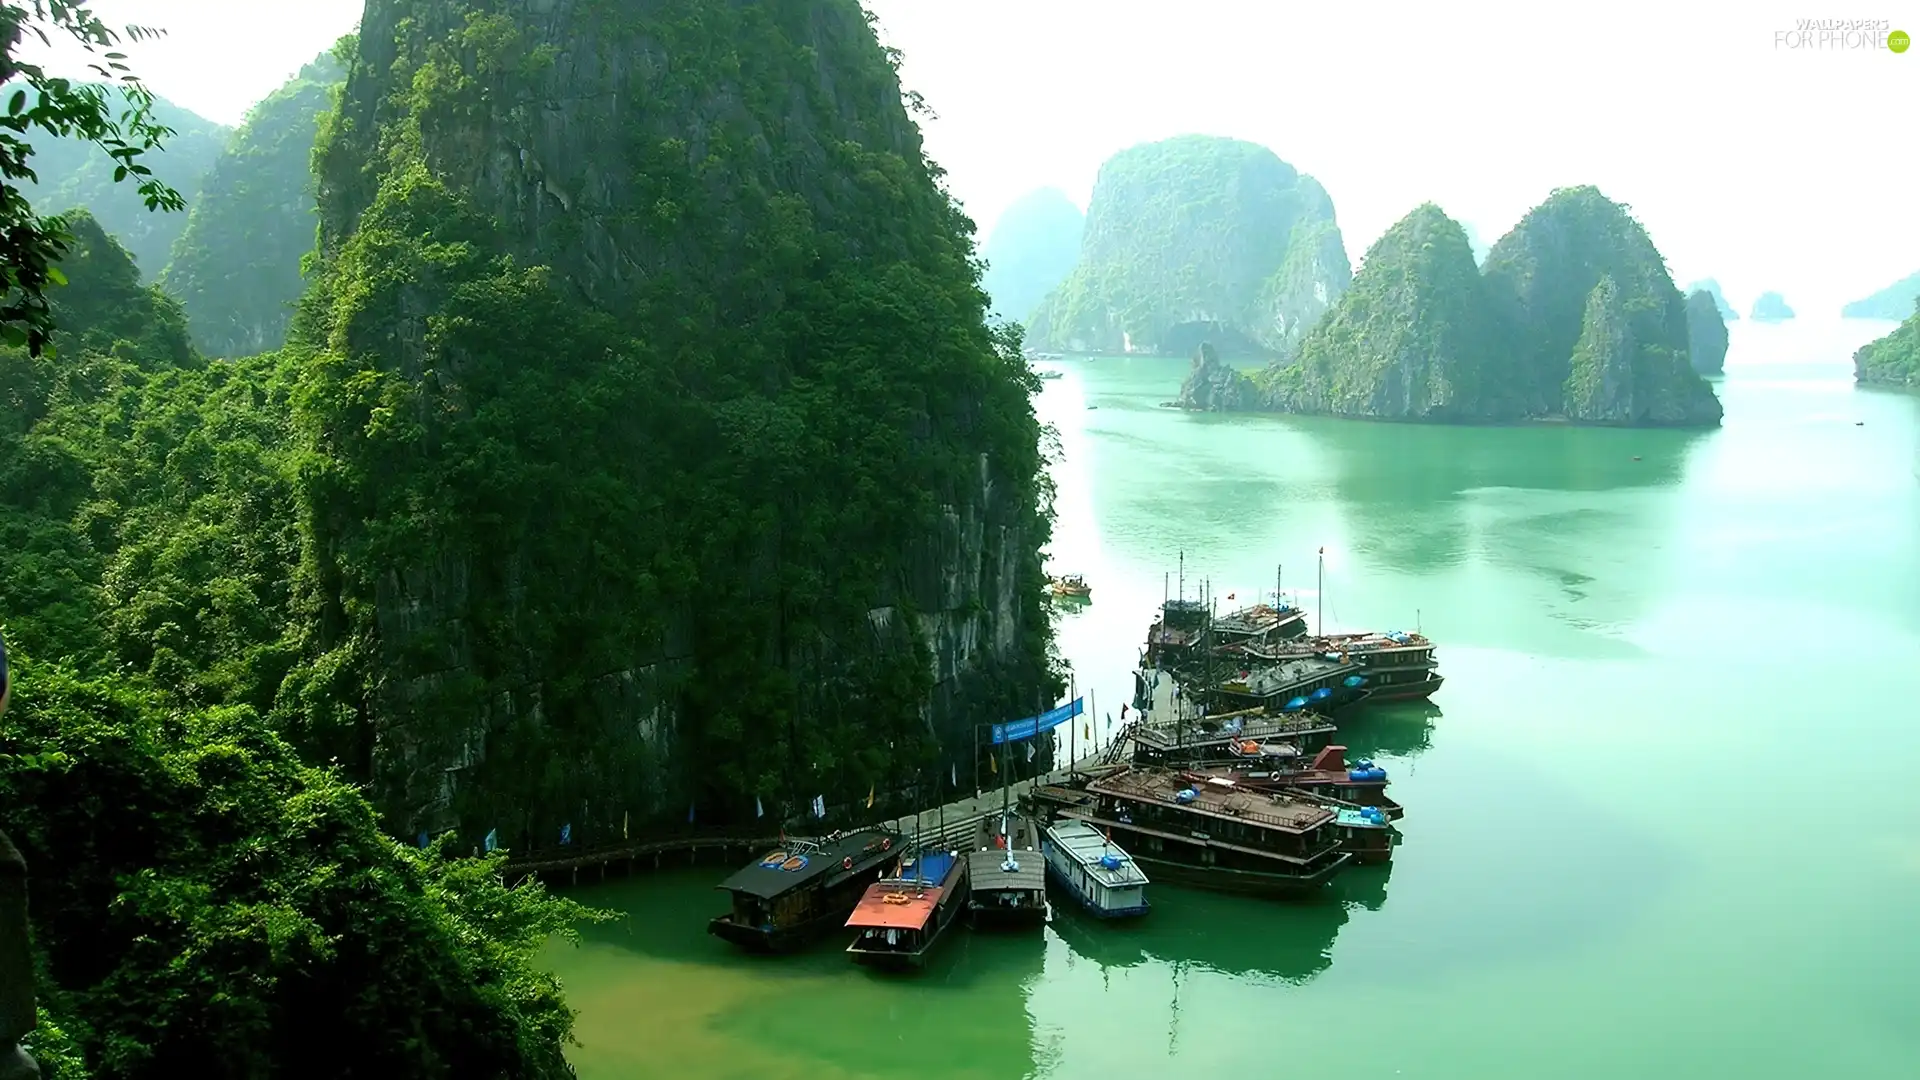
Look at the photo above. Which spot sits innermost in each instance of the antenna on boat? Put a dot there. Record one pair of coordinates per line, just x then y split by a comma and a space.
1320, 619
1183, 576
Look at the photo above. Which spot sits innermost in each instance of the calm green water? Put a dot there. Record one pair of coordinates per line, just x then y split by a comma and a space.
1661, 820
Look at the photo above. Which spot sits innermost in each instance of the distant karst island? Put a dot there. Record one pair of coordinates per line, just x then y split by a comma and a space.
1192, 239
1712, 288
1896, 301
1771, 307
1032, 249
1573, 318
1893, 360
1706, 333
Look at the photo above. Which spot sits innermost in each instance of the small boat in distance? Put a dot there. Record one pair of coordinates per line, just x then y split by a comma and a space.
1048, 373
1007, 878
1095, 871
803, 888
1072, 587
901, 918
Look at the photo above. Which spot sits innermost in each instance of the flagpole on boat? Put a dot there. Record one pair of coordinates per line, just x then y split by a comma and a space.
1320, 619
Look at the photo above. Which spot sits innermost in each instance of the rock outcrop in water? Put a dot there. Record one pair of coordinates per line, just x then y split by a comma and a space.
1573, 318
1198, 238
1893, 360
1712, 289
1213, 386
236, 267
664, 462
1706, 334
1771, 307
1896, 301
1031, 251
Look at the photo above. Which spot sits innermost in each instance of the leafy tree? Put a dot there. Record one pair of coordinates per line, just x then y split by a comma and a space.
30, 245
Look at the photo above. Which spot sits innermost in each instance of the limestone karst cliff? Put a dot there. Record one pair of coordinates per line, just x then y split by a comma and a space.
1572, 317
666, 464
1030, 251
1198, 238
1706, 333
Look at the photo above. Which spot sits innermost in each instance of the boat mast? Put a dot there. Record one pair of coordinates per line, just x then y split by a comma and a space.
1183, 576
1320, 619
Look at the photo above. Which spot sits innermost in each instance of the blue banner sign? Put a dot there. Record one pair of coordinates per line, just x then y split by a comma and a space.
1016, 730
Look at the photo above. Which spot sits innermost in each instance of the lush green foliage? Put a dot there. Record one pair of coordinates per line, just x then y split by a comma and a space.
55, 112
210, 905
203, 900
1712, 289
236, 267
1706, 333
1893, 360
1411, 337
1771, 307
661, 472
1896, 301
1031, 251
1197, 224
1531, 335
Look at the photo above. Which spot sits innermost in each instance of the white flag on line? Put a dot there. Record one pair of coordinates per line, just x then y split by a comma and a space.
758, 810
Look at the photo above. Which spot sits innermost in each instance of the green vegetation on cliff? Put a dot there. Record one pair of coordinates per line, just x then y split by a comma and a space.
1572, 317
203, 901
661, 459
1771, 307
236, 267
1706, 333
1031, 250
76, 174
1712, 289
1896, 301
1194, 238
1411, 338
1893, 360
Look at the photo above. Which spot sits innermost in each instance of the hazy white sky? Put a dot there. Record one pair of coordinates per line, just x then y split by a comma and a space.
1763, 166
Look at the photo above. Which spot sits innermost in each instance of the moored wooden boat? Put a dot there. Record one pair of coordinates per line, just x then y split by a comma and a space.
1006, 875
1100, 876
901, 918
1214, 834
803, 888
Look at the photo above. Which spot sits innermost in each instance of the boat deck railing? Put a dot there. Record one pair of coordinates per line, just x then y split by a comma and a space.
1172, 737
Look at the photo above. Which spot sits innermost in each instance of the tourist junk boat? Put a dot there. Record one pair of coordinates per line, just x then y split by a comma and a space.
1399, 665
901, 918
1072, 587
1327, 773
1217, 740
1260, 625
1213, 834
803, 888
1293, 685
1095, 871
1006, 875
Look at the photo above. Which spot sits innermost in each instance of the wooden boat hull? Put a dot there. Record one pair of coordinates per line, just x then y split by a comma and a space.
783, 939
1242, 882
1419, 691
1085, 903
902, 960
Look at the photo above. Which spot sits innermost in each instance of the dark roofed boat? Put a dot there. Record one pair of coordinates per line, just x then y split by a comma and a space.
1007, 877
796, 892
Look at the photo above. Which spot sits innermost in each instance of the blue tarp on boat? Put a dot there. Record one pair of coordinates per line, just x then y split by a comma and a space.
931, 867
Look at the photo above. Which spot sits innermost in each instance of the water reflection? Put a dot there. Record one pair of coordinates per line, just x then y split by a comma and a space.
657, 995
1396, 729
1229, 935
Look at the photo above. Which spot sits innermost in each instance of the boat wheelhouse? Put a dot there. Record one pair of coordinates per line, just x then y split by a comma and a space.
1293, 685
1365, 833
1327, 774
1006, 875
1260, 625
803, 888
1399, 665
1176, 635
1217, 740
1098, 873
1072, 587
900, 919
1215, 834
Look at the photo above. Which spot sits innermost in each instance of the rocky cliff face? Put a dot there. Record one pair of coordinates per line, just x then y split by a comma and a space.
236, 267
1212, 386
1198, 238
1422, 335
1706, 334
1896, 301
1031, 251
669, 465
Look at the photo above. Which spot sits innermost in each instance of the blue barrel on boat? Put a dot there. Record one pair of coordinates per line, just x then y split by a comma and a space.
1296, 703
1353, 680
1356, 774
1110, 861
1186, 795
1320, 695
